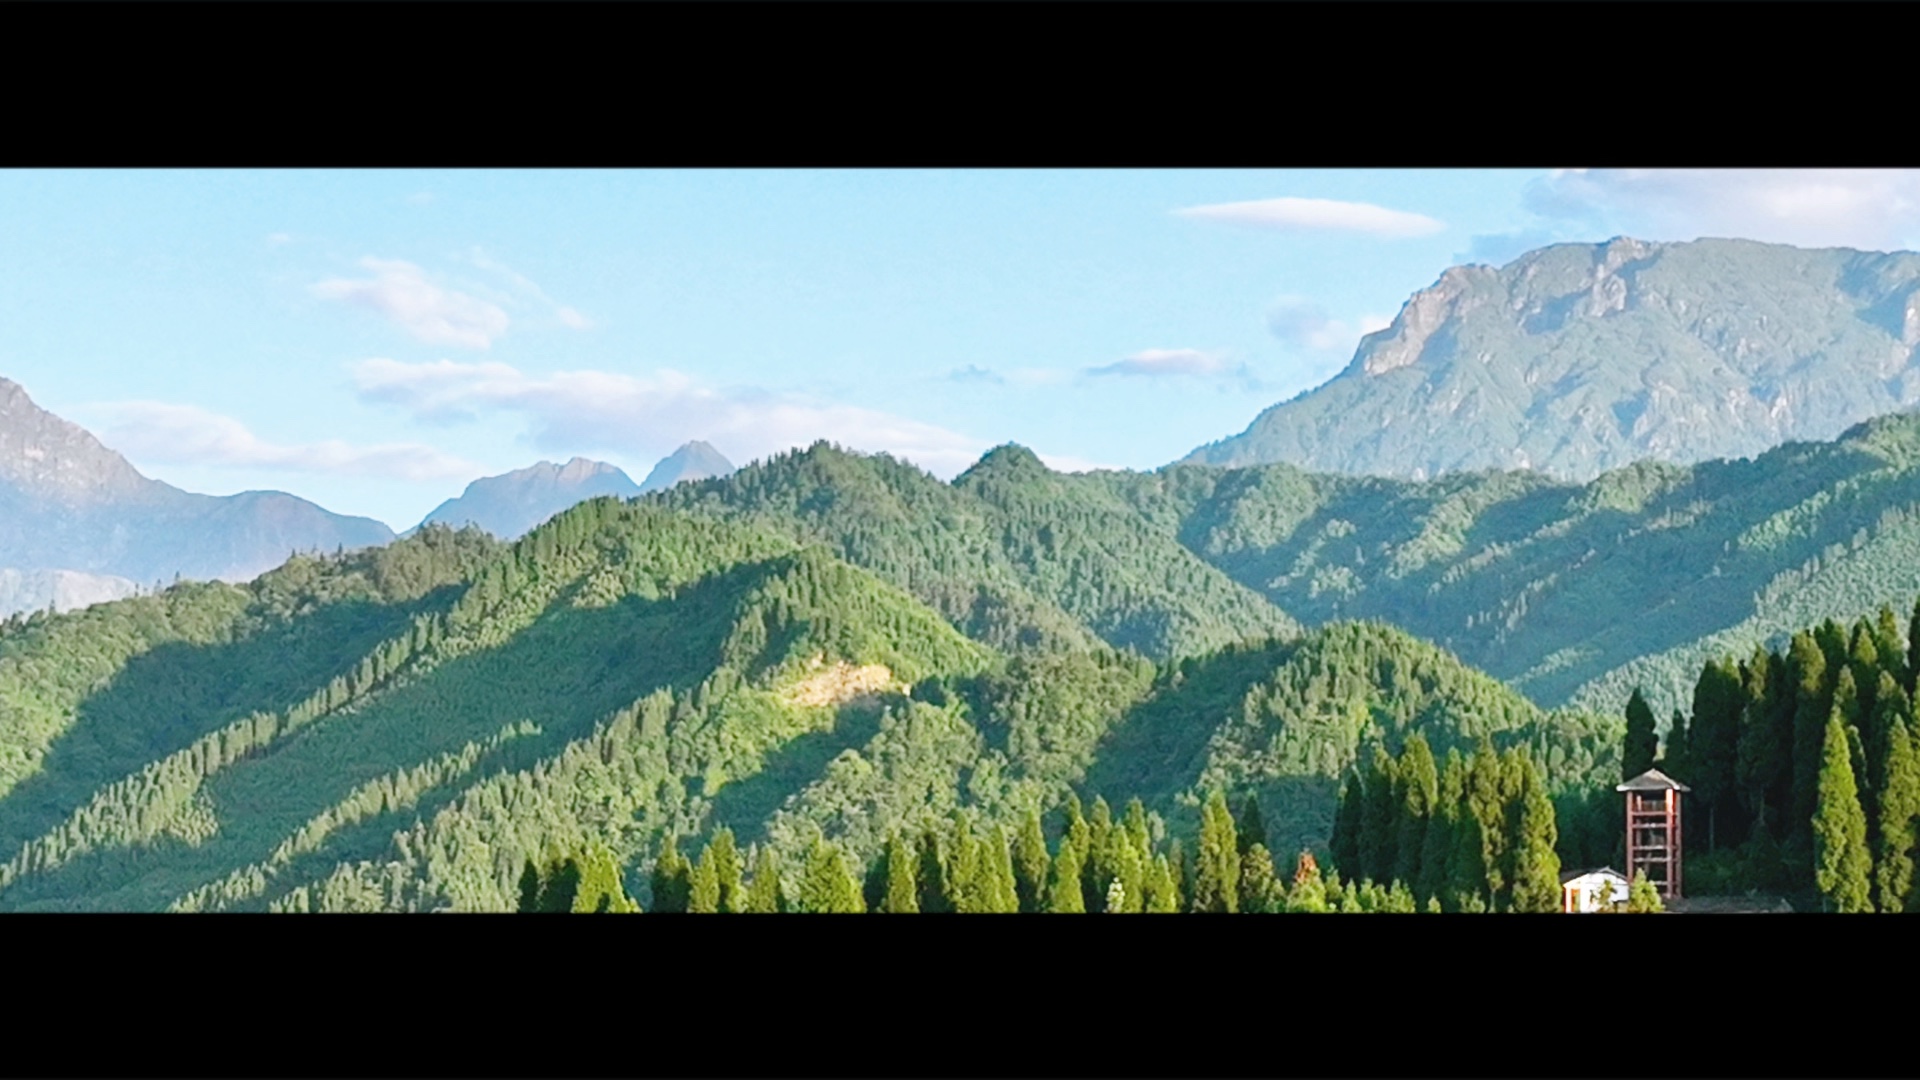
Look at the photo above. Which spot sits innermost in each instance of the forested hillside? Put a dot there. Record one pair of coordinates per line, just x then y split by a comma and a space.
408, 727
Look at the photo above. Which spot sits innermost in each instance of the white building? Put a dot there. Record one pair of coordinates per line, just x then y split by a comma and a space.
1584, 890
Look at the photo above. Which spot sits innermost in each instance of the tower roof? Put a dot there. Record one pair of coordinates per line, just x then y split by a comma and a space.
1653, 780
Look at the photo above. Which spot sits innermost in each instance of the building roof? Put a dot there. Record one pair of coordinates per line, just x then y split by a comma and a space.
1604, 871
1652, 780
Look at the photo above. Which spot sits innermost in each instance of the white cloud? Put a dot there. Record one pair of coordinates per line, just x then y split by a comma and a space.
1872, 209
439, 316
1324, 214
1160, 362
580, 411
164, 434
1303, 324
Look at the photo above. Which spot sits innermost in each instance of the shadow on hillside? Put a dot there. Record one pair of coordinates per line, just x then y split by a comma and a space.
169, 696
574, 667
746, 805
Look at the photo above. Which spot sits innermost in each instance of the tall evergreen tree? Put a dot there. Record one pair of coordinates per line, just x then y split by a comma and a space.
765, 896
1260, 890
903, 891
1064, 893
1487, 810
935, 892
1031, 863
1161, 896
597, 883
1842, 868
1420, 787
672, 880
703, 891
1899, 822
1216, 882
1309, 892
1762, 764
1807, 665
1250, 828
727, 870
999, 891
1642, 741
1913, 651
1890, 644
1380, 833
826, 885
1349, 821
1536, 866
1437, 854
1713, 740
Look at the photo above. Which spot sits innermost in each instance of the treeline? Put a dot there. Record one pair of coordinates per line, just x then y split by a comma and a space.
1477, 834
1802, 766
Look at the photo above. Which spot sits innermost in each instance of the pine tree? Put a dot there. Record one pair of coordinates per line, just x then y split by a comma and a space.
703, 893
1487, 814
1161, 897
726, 866
597, 883
1216, 878
530, 882
932, 877
1001, 893
1064, 895
1031, 863
1841, 866
1260, 891
764, 893
1899, 822
1437, 856
1380, 833
1420, 785
1913, 651
1536, 873
1349, 821
672, 880
1642, 741
826, 885
1250, 829
903, 891
1807, 667
1713, 740
1890, 645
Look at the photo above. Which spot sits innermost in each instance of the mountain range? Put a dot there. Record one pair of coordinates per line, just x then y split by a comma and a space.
1578, 358
509, 505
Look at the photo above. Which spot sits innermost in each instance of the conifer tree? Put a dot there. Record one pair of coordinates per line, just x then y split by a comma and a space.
1890, 645
530, 881
1807, 665
1250, 829
1913, 651
1675, 759
765, 896
561, 888
902, 895
1899, 822
703, 893
1161, 897
935, 891
1140, 831
1420, 785
726, 867
1380, 832
672, 879
963, 866
1064, 894
1260, 891
597, 883
1841, 864
1309, 892
1642, 741
1437, 856
1536, 865
826, 885
1031, 863
1863, 659
1713, 740
1093, 856
1487, 812
1000, 894
1216, 871
1349, 821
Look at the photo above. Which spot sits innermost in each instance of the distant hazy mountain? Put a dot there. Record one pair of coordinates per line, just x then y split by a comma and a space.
69, 504
1577, 358
63, 590
694, 461
511, 504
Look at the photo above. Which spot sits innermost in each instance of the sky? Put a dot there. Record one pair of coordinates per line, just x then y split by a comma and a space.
375, 340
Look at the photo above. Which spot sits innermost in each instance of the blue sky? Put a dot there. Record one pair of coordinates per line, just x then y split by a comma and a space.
374, 340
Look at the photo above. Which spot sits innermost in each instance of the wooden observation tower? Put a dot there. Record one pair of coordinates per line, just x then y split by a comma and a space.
1653, 829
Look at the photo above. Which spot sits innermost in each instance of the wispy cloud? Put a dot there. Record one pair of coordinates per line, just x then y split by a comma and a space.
433, 314
1305, 325
526, 287
1318, 214
974, 373
579, 411
1165, 362
168, 434
1870, 209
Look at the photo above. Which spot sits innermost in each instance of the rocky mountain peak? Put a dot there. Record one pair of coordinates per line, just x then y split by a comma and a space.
48, 458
